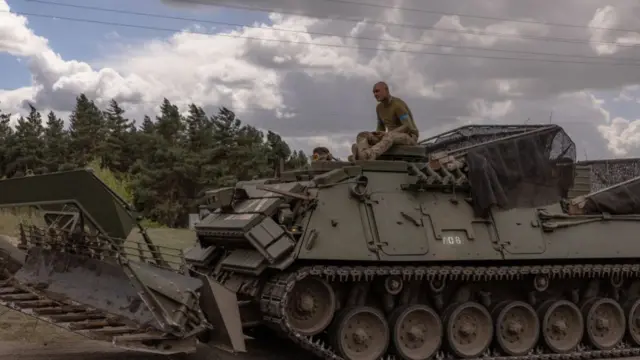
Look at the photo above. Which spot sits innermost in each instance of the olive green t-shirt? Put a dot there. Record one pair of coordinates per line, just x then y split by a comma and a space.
393, 114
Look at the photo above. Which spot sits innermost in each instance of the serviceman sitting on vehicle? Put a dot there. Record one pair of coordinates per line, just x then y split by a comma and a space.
321, 153
395, 126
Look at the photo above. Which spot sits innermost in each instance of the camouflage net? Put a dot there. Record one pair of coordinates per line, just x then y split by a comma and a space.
471, 135
524, 170
606, 173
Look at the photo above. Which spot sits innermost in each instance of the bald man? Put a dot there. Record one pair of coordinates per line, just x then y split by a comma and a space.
395, 126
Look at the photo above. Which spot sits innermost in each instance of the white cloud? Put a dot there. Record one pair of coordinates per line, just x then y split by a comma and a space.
610, 17
319, 95
112, 35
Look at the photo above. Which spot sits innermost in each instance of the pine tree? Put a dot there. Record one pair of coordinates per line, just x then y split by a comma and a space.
278, 150
27, 152
56, 141
144, 139
199, 142
298, 160
239, 153
6, 136
160, 179
170, 125
148, 127
86, 130
199, 129
117, 154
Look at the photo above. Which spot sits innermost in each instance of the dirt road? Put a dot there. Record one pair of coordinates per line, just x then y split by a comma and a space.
72, 351
82, 350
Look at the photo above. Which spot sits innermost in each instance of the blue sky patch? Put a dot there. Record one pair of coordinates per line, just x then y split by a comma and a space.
14, 72
87, 41
628, 109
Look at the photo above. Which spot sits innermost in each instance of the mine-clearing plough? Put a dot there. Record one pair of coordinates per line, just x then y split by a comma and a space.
80, 273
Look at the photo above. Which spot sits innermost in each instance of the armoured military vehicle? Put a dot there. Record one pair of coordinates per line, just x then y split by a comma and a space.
465, 246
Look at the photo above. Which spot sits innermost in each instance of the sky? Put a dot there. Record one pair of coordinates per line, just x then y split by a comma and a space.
305, 68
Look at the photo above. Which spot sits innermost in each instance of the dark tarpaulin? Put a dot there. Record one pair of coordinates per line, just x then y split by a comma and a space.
620, 199
470, 135
528, 170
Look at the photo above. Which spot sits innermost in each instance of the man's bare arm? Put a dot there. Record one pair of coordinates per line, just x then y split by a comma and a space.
380, 127
404, 128
403, 115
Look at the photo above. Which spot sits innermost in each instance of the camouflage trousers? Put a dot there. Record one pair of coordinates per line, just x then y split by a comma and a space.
370, 145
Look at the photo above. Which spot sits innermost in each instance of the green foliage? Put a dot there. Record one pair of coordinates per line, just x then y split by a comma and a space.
150, 224
121, 185
160, 167
26, 146
57, 153
86, 130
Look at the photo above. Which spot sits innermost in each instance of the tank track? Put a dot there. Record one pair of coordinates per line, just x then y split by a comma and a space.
275, 294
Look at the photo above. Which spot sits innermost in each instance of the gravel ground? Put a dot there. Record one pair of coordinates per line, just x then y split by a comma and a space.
82, 350
67, 350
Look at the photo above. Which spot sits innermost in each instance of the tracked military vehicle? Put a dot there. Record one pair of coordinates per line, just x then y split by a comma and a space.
465, 246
